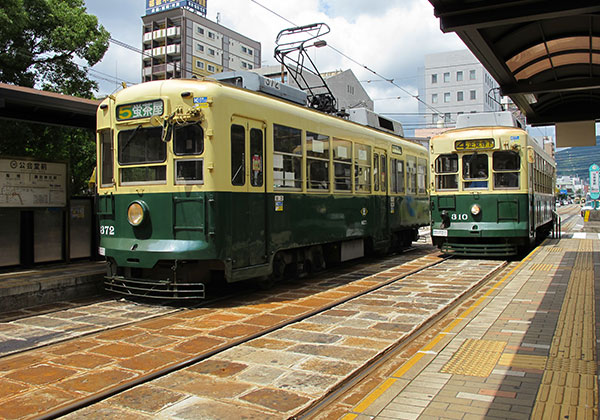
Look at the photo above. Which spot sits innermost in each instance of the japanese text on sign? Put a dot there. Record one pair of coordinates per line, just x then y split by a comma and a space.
139, 110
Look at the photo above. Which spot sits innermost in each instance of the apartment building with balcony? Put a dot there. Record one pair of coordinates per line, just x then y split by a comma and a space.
179, 42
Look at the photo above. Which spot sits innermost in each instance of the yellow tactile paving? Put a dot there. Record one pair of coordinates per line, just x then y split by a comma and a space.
569, 387
475, 358
523, 361
542, 267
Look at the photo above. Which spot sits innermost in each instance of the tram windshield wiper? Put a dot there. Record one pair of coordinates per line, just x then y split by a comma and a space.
131, 136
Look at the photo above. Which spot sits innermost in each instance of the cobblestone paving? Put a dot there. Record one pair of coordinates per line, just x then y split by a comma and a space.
40, 380
31, 331
542, 317
277, 375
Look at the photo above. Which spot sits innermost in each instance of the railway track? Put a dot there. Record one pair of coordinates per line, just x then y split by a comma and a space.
269, 353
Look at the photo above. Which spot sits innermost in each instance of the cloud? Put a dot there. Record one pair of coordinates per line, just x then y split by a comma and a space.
379, 39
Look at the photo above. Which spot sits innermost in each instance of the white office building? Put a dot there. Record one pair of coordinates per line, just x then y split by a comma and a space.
455, 83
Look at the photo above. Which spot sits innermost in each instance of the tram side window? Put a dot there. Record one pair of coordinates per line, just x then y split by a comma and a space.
287, 157
362, 168
383, 176
376, 171
188, 140
411, 175
421, 176
238, 149
475, 171
397, 176
256, 154
317, 161
506, 165
446, 172
106, 156
342, 165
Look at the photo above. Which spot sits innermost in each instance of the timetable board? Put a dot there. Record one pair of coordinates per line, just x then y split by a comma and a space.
32, 183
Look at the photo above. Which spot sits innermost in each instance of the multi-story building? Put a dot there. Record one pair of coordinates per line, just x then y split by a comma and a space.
180, 42
455, 83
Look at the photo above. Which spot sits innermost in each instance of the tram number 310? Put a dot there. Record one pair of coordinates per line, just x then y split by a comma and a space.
459, 216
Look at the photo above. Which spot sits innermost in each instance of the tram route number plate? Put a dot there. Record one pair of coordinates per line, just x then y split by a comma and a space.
479, 144
439, 232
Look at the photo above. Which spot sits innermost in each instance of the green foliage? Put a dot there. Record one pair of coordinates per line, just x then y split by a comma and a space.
50, 143
40, 39
40, 43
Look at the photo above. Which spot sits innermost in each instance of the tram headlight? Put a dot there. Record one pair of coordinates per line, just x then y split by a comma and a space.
136, 213
475, 209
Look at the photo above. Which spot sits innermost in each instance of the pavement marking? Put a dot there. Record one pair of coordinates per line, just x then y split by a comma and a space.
475, 358
570, 378
478, 397
418, 356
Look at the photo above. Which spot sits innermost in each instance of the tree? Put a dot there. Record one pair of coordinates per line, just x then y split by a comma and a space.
40, 41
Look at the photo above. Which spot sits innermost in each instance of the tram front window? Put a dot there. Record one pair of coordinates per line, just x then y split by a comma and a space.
475, 171
506, 169
446, 168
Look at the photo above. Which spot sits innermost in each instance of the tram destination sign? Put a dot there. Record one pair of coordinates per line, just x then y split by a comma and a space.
32, 183
479, 144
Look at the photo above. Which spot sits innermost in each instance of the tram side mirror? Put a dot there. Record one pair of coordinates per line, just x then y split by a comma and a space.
167, 129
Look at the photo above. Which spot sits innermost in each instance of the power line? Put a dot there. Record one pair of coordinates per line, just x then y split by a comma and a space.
391, 81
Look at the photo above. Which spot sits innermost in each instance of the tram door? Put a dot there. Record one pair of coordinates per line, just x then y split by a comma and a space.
248, 203
380, 173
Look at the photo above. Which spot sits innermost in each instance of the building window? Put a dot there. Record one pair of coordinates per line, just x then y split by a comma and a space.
434, 78
459, 76
244, 65
211, 68
211, 35
250, 66
200, 64
244, 49
447, 97
250, 51
473, 95
447, 117
434, 98
459, 96
446, 77
200, 31
350, 89
211, 51
199, 47
471, 74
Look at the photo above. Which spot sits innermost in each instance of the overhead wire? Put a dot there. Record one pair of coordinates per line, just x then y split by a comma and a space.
389, 80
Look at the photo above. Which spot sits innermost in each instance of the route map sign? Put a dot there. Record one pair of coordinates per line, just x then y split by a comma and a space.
594, 181
32, 183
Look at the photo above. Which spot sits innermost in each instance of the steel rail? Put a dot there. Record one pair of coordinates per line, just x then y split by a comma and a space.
393, 350
109, 392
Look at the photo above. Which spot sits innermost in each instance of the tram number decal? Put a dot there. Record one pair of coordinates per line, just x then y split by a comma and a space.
107, 230
460, 216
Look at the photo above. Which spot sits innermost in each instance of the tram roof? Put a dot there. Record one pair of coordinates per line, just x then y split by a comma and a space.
544, 54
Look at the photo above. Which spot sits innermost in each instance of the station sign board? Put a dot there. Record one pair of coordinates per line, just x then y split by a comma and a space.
156, 6
594, 182
32, 183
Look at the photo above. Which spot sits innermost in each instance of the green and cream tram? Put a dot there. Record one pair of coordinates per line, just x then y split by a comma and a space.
491, 187
201, 179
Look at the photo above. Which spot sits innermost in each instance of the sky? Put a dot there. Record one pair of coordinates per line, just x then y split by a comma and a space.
389, 37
